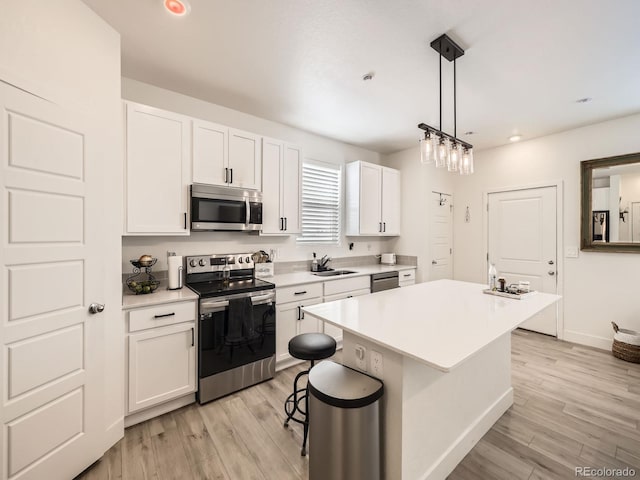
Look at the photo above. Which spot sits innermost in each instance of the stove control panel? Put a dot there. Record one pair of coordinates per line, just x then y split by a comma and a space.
219, 263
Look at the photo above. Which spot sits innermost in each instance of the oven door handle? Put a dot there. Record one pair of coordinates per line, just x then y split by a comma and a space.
262, 299
248, 207
206, 307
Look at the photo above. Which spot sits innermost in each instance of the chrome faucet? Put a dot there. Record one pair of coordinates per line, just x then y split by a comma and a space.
323, 261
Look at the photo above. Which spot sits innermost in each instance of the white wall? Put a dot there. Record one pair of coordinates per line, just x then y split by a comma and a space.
417, 183
64, 52
314, 147
598, 287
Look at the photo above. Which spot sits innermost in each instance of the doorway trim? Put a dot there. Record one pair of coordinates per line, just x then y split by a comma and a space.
559, 184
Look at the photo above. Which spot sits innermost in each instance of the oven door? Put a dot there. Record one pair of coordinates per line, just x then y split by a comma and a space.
227, 343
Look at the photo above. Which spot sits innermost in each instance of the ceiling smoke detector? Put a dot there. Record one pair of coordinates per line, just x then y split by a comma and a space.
368, 76
584, 100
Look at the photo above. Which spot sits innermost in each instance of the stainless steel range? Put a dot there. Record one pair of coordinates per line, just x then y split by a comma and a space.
237, 324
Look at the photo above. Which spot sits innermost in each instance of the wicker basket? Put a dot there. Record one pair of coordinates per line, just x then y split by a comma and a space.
626, 344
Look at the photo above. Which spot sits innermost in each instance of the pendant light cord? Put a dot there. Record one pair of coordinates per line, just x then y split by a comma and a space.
455, 133
440, 73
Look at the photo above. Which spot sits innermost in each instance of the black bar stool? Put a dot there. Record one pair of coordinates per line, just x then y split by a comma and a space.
306, 346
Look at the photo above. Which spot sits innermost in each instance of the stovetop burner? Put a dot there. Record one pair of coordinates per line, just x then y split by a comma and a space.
206, 273
217, 288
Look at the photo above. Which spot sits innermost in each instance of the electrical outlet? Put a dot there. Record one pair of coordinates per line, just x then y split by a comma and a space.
361, 358
376, 364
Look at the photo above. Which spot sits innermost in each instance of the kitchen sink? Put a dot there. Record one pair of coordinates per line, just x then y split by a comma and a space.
333, 273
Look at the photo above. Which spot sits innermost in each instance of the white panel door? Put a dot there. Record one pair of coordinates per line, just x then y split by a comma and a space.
244, 160
522, 245
162, 365
370, 199
157, 171
210, 153
635, 222
441, 236
50, 254
291, 188
390, 201
272, 218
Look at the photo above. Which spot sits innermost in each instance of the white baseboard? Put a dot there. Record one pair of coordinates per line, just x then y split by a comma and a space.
590, 340
468, 439
158, 410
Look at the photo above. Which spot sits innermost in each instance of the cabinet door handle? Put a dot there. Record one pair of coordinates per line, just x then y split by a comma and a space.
407, 275
298, 313
384, 226
285, 223
231, 175
193, 337
300, 293
281, 223
165, 315
379, 227
185, 220
226, 175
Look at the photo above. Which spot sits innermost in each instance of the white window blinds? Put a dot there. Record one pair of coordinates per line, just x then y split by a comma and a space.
321, 187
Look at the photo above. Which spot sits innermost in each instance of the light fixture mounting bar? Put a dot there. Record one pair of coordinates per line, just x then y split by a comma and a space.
447, 47
440, 133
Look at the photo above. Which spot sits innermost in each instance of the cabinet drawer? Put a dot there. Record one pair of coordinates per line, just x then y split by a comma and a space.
161, 315
297, 293
406, 275
347, 285
343, 295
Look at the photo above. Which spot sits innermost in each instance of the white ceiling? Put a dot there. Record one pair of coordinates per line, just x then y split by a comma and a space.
300, 62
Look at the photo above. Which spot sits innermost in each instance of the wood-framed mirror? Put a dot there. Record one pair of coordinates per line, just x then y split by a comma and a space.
610, 204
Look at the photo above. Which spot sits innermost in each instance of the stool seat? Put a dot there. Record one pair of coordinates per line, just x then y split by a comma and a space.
312, 346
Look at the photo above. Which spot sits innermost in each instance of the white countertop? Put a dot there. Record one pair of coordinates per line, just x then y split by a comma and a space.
440, 323
300, 278
161, 295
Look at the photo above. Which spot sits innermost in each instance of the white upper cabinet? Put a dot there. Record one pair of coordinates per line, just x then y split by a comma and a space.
157, 171
244, 160
281, 165
373, 200
210, 153
224, 156
390, 201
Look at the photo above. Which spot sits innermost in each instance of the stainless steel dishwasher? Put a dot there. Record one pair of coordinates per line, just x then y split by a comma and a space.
384, 281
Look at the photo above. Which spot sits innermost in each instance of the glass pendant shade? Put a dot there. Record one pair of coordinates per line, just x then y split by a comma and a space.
442, 153
466, 162
454, 157
427, 148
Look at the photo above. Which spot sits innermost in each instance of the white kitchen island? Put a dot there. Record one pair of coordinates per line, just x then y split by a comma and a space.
446, 366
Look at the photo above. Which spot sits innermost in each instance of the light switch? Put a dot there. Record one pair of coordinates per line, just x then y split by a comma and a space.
571, 252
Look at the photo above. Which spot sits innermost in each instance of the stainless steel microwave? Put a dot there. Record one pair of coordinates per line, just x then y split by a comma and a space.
225, 208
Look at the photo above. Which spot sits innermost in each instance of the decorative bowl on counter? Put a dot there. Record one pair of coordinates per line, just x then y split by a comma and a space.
143, 286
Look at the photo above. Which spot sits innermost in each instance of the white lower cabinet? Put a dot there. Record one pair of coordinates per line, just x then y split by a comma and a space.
161, 359
341, 289
406, 278
291, 321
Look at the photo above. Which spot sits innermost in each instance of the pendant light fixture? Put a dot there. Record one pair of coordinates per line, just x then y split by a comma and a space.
439, 147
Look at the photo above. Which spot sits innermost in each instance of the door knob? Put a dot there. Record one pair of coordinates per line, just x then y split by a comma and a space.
96, 308
434, 262
551, 272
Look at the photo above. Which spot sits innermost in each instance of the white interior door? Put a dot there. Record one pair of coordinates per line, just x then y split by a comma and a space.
522, 245
635, 222
441, 236
52, 361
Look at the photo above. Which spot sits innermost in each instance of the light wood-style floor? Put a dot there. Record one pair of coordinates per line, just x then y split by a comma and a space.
574, 407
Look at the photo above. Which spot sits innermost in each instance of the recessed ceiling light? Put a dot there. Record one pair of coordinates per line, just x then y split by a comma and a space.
470, 132
584, 100
515, 138
368, 76
177, 7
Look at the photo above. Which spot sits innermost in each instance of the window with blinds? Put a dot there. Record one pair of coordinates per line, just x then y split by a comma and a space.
321, 187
